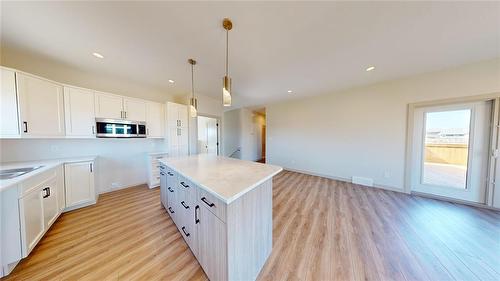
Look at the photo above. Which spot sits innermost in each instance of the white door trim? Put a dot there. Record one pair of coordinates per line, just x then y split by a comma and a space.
495, 97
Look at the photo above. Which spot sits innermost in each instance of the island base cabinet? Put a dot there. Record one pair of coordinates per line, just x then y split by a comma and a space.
212, 245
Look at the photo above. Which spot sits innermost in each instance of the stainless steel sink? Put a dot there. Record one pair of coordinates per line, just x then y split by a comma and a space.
14, 173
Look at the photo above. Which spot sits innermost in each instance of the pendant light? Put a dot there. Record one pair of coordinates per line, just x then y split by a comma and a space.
226, 81
193, 108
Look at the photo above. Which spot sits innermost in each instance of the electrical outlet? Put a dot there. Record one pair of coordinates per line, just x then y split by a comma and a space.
387, 174
115, 185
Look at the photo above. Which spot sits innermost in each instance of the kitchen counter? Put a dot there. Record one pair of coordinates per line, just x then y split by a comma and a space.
47, 165
225, 178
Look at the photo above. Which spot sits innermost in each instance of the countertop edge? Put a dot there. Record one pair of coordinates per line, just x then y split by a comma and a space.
47, 163
234, 197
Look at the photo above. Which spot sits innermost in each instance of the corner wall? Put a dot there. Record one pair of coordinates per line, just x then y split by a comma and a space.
362, 132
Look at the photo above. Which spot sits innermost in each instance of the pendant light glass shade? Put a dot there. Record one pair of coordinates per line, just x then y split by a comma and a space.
226, 91
193, 107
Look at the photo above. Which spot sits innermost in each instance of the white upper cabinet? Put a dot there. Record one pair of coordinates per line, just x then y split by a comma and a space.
177, 121
155, 120
41, 107
177, 115
134, 109
9, 122
108, 106
79, 112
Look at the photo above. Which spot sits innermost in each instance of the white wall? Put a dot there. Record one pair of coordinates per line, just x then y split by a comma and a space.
242, 129
63, 73
121, 161
362, 132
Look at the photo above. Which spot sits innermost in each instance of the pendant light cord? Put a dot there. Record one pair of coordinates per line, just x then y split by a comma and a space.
227, 50
192, 80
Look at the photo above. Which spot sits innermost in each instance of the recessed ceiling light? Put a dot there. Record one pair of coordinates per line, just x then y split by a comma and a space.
171, 81
97, 55
370, 68
289, 91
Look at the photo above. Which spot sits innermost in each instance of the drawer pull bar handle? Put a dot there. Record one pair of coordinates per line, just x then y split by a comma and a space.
170, 209
162, 173
170, 174
184, 184
184, 205
206, 202
196, 220
184, 230
170, 189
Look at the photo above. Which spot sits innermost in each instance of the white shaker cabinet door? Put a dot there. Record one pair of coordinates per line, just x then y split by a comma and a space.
79, 112
32, 220
135, 109
9, 122
155, 121
41, 107
108, 106
50, 202
79, 182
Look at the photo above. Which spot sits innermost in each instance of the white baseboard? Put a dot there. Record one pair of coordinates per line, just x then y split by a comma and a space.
81, 205
452, 200
385, 187
121, 187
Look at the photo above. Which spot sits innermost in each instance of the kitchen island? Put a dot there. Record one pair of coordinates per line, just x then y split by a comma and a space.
223, 209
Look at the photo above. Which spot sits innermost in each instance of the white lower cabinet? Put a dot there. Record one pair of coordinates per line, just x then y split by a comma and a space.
79, 183
38, 211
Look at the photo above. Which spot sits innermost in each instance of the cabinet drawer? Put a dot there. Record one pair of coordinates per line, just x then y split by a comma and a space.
31, 183
188, 189
212, 203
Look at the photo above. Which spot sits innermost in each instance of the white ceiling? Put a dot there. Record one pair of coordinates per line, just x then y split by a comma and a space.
308, 47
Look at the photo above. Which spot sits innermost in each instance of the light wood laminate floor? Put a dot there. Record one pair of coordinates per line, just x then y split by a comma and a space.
323, 230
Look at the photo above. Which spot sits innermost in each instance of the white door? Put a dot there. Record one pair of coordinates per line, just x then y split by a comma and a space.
135, 109
207, 135
108, 106
41, 107
79, 182
450, 150
79, 112
155, 121
9, 122
32, 223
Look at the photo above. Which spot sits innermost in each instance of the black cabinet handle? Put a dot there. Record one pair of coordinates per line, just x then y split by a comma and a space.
184, 230
170, 209
184, 184
170, 189
196, 220
184, 205
162, 173
206, 202
25, 126
47, 192
91, 167
170, 174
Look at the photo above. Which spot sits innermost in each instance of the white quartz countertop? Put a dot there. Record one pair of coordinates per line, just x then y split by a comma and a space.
225, 178
47, 165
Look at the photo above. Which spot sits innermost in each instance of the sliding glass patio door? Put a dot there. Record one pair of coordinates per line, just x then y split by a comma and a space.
450, 150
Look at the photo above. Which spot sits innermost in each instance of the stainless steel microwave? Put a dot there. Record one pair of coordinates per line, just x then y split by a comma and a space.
117, 128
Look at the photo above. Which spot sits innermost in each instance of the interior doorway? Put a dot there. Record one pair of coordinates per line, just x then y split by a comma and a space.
450, 150
208, 135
